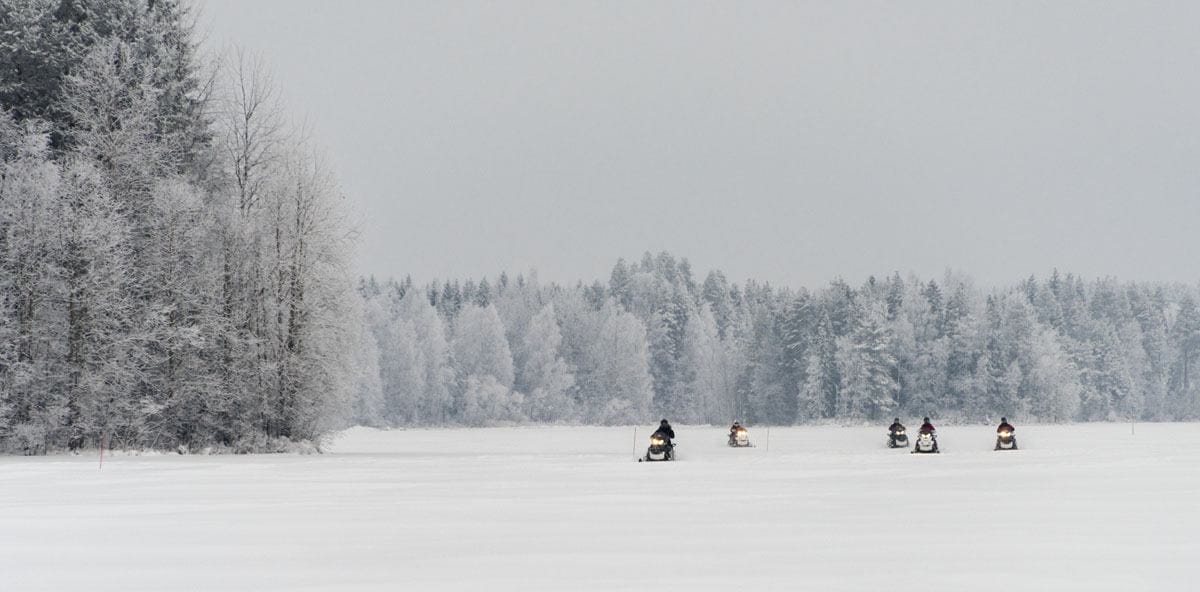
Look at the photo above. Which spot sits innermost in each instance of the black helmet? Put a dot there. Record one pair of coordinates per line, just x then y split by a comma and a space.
896, 420
926, 420
1003, 420
737, 422
663, 422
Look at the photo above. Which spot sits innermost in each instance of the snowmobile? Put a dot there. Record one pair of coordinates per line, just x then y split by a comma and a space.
897, 439
660, 449
926, 444
1006, 441
739, 438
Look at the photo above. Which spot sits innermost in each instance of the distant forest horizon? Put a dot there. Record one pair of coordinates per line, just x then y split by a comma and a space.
653, 340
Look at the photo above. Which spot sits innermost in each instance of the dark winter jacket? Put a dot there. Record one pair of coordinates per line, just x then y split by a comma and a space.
666, 432
896, 427
1005, 427
927, 428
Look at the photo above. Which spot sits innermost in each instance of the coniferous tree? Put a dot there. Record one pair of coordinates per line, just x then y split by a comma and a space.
542, 373
1185, 334
865, 364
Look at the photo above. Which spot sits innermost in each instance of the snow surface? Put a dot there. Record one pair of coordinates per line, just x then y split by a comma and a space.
1080, 507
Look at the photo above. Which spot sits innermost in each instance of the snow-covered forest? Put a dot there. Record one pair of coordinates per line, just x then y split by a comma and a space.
173, 251
656, 341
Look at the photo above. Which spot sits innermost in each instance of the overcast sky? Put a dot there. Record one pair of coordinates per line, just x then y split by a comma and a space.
791, 142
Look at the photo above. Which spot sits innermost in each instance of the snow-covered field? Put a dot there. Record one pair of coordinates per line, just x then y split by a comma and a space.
1083, 507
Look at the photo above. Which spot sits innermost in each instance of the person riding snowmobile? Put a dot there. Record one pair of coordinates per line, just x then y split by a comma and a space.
738, 436
897, 438
1005, 437
661, 446
927, 428
664, 430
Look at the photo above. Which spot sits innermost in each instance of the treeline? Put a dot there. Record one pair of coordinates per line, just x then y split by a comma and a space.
172, 254
654, 341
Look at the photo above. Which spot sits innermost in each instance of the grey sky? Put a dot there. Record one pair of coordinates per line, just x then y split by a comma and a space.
791, 142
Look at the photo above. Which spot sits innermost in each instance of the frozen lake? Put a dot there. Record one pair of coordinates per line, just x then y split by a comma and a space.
1080, 507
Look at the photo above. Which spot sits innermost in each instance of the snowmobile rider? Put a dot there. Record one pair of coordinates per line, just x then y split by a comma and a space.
1005, 426
927, 428
734, 429
896, 426
665, 432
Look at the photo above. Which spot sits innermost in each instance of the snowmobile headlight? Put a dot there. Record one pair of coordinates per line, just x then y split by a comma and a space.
1005, 434
899, 432
657, 441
